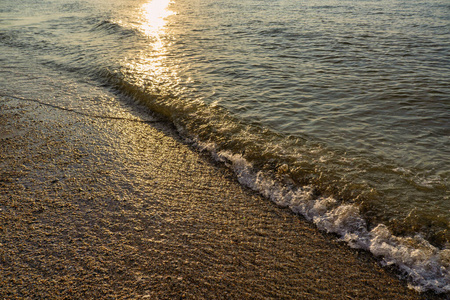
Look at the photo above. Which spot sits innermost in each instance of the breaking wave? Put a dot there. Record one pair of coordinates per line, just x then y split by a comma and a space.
424, 266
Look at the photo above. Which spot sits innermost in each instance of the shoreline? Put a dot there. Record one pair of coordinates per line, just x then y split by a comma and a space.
109, 208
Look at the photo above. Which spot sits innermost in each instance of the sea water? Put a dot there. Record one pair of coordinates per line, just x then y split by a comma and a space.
339, 110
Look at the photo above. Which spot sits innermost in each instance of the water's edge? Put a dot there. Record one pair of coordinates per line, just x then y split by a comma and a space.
424, 266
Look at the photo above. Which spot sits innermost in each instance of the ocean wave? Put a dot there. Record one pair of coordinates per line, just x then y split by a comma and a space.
425, 266
374, 184
113, 27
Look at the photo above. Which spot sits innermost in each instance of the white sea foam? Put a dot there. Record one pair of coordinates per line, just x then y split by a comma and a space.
425, 266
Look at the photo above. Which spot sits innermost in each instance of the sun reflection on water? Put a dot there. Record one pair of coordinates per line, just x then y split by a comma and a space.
155, 15
148, 69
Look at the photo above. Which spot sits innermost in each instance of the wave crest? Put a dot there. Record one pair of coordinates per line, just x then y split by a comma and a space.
424, 266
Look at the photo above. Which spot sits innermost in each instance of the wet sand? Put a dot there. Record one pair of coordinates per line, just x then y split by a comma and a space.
100, 208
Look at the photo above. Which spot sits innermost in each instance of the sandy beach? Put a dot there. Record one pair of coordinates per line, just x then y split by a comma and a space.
93, 207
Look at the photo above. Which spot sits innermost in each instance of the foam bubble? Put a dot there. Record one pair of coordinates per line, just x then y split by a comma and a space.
425, 266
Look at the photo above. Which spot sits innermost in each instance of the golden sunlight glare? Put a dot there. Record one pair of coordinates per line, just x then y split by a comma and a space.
154, 13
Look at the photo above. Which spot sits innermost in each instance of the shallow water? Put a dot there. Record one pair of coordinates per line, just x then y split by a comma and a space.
338, 110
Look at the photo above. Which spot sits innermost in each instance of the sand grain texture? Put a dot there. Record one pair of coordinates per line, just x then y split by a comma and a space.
97, 208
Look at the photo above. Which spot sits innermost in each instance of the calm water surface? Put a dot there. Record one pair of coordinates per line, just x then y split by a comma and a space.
339, 110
